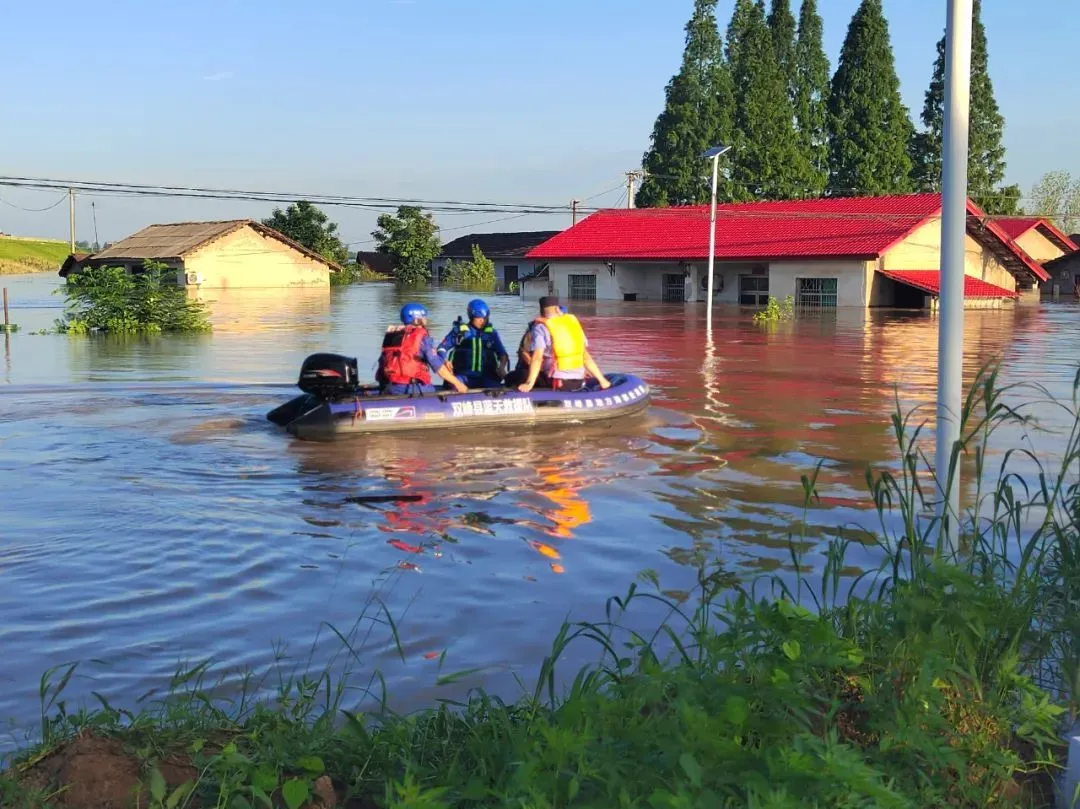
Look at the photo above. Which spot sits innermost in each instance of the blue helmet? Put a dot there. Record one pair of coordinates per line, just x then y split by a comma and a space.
477, 308
411, 312
562, 309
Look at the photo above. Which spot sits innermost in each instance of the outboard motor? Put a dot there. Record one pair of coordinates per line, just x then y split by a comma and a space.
328, 375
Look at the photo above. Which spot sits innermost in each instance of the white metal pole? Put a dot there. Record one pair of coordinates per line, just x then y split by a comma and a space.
712, 245
953, 231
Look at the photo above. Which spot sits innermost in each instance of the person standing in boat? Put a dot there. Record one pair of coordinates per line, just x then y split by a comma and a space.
475, 350
560, 354
408, 356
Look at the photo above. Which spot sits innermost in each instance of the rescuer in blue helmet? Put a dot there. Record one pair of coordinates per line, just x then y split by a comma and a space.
475, 349
408, 356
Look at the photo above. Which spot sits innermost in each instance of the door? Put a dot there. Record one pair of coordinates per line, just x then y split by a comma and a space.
754, 290
510, 275
674, 289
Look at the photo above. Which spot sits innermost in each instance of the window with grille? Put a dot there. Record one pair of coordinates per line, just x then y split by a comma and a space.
674, 290
754, 290
582, 287
816, 293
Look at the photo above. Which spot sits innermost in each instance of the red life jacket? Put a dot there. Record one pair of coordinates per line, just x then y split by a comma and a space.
401, 361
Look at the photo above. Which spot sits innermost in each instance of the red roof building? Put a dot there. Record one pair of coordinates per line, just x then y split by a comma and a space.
823, 252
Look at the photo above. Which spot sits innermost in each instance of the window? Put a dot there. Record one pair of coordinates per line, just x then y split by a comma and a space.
816, 293
582, 287
674, 290
754, 290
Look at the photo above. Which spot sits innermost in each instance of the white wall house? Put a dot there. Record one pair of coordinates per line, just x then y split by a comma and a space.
869, 251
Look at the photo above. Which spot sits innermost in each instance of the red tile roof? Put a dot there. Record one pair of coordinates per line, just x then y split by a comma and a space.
1017, 226
822, 228
930, 281
844, 227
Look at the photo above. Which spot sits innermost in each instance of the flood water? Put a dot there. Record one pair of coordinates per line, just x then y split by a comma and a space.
149, 514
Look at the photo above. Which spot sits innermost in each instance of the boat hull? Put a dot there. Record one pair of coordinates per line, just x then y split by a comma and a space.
311, 418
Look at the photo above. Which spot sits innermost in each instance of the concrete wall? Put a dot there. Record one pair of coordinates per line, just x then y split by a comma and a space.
246, 258
851, 276
646, 280
1039, 247
921, 250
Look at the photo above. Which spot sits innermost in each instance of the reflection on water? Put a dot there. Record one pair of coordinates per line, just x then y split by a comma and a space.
151, 514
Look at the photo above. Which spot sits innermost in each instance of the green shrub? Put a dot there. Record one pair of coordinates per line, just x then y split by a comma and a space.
111, 299
776, 312
477, 274
355, 273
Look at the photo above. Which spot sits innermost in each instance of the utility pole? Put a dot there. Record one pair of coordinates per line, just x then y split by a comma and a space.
71, 217
631, 178
93, 210
573, 211
953, 230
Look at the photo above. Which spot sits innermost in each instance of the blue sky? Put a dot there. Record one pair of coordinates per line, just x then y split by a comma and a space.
512, 101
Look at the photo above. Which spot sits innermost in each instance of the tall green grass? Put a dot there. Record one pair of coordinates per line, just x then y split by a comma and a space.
31, 255
944, 677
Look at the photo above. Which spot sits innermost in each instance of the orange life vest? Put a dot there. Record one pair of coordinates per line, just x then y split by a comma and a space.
401, 360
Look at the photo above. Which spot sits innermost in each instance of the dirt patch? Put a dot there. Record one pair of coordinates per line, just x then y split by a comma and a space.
92, 772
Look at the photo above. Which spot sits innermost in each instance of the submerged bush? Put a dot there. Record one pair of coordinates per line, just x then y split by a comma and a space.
355, 273
774, 311
111, 299
476, 274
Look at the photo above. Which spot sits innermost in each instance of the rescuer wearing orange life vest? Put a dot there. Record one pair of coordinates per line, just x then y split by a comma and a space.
560, 355
408, 356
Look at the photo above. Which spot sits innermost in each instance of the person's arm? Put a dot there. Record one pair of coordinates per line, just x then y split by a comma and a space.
445, 373
594, 369
535, 365
448, 343
504, 358
441, 367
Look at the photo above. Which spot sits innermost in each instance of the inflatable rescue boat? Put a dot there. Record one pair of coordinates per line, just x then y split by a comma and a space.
334, 405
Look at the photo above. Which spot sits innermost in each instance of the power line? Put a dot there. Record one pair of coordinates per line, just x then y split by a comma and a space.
373, 203
35, 210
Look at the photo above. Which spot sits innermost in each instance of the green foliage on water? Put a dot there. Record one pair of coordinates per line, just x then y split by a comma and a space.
476, 274
775, 312
306, 224
355, 274
938, 679
411, 238
113, 300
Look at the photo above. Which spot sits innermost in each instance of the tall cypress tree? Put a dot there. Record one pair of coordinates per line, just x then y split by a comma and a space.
741, 19
697, 114
986, 154
782, 26
812, 96
767, 162
869, 126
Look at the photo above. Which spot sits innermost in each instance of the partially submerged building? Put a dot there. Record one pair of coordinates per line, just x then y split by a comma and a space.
226, 254
507, 252
851, 251
1044, 242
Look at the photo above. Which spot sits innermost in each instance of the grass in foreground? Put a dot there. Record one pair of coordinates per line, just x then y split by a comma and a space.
931, 682
31, 255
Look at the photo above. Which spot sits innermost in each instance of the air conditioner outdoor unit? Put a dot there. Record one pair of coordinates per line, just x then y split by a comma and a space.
193, 278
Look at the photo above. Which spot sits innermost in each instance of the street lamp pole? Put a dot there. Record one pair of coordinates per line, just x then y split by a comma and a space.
713, 153
953, 234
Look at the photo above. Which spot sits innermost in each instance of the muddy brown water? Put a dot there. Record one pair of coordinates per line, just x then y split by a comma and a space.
151, 515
